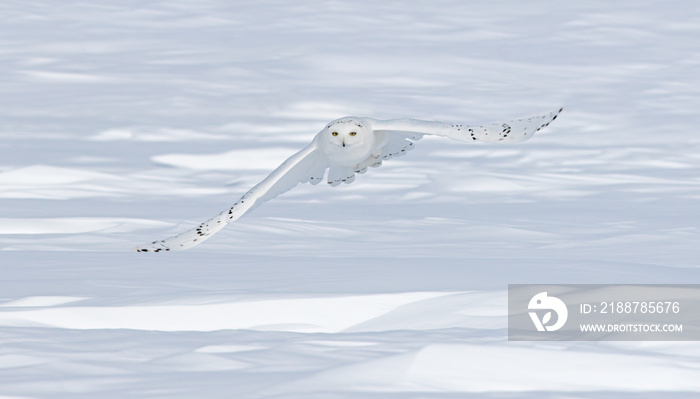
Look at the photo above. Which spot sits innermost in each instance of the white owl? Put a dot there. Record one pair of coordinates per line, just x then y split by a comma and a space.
344, 147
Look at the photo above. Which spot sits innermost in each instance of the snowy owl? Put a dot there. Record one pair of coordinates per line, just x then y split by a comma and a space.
344, 147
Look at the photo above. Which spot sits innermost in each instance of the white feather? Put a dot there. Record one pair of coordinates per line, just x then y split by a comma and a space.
344, 147
513, 131
300, 167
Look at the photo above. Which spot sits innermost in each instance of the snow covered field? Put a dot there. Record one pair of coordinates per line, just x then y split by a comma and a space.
124, 121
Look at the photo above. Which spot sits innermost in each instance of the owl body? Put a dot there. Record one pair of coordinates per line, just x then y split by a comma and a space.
345, 147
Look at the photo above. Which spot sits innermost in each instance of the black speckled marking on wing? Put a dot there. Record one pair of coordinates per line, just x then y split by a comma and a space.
511, 131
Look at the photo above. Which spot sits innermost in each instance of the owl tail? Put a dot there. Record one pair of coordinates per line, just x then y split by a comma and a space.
340, 174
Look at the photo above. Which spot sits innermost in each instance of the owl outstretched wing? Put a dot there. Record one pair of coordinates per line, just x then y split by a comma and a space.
395, 137
513, 131
307, 165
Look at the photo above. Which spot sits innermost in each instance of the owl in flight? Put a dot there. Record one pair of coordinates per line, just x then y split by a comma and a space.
344, 147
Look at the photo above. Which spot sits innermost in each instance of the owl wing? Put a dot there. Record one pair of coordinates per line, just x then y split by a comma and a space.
390, 144
307, 165
508, 132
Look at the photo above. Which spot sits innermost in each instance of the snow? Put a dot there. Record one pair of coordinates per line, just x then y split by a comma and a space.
125, 122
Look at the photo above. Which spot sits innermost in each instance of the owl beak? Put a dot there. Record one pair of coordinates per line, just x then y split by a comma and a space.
343, 143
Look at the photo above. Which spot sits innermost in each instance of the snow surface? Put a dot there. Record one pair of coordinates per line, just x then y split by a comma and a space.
125, 121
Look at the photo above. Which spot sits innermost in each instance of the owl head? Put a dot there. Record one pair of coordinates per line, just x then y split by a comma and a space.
347, 141
348, 132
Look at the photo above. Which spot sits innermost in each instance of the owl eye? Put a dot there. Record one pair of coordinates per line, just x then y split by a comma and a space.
353, 133
335, 133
